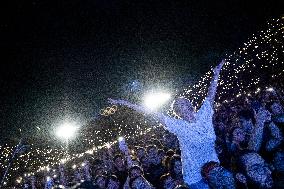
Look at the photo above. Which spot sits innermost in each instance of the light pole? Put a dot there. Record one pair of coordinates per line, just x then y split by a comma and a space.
66, 131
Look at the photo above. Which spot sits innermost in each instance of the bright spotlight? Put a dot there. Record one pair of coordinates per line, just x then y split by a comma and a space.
67, 130
155, 100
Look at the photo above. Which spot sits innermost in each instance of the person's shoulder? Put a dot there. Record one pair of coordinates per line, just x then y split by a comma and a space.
172, 119
205, 108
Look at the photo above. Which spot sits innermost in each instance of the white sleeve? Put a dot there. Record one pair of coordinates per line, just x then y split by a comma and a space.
206, 111
175, 126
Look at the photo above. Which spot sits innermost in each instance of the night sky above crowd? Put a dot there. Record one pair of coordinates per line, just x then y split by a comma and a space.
63, 59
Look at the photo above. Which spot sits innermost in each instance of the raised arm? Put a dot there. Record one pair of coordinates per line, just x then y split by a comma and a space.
214, 82
124, 148
140, 109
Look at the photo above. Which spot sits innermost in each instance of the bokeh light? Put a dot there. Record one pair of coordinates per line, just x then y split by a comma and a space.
155, 100
67, 130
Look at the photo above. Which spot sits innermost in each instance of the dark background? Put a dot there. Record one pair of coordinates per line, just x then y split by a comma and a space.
63, 59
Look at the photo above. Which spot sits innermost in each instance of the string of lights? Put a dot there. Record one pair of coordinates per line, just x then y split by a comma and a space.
250, 68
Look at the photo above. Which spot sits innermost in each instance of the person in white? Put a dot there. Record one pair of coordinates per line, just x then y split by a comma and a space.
194, 131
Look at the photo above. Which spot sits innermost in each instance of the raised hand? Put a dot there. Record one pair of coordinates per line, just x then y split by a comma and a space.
218, 68
214, 82
122, 145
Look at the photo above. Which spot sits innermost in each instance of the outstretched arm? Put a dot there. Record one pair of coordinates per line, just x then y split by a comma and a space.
214, 82
140, 109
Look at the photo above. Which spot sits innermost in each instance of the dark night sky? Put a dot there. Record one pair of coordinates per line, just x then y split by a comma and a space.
66, 57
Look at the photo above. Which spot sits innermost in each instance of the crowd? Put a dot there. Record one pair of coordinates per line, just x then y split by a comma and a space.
248, 143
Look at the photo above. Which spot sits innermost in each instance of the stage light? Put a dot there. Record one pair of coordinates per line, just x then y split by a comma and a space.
155, 100
67, 130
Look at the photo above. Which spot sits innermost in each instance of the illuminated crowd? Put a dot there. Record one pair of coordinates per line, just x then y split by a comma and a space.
249, 145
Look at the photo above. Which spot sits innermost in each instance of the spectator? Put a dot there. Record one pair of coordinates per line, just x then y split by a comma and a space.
113, 182
167, 182
256, 170
101, 182
217, 176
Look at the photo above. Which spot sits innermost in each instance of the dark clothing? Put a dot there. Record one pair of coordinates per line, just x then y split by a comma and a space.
121, 176
154, 174
84, 185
